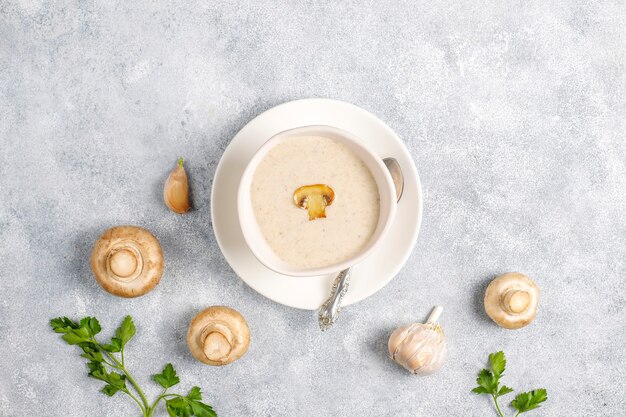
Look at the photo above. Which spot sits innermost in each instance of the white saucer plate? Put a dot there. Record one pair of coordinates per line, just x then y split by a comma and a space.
309, 293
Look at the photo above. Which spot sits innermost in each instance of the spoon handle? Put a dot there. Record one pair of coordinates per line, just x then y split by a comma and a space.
329, 311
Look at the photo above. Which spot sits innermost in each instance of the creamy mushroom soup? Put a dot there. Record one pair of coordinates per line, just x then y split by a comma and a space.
304, 170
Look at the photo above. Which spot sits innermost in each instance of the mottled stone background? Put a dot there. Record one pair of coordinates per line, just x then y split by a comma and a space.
514, 113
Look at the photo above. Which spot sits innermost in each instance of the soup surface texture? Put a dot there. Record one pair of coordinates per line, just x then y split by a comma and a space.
351, 218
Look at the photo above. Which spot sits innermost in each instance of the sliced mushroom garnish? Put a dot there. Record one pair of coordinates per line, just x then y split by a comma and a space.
314, 199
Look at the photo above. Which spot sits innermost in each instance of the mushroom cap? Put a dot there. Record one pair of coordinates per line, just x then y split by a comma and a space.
511, 300
127, 261
218, 336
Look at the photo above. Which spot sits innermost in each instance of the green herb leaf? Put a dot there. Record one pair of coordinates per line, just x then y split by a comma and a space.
170, 410
498, 363
98, 371
91, 324
103, 365
114, 346
126, 331
167, 378
63, 325
117, 380
189, 406
480, 390
109, 390
530, 400
199, 408
202, 410
76, 336
178, 407
94, 366
91, 353
487, 382
195, 394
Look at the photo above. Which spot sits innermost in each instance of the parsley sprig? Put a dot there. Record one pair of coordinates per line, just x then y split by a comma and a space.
106, 363
489, 383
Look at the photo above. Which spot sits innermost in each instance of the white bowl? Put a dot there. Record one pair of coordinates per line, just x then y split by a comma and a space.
252, 233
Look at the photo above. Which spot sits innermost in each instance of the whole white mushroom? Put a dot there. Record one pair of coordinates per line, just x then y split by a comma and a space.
127, 261
218, 335
511, 300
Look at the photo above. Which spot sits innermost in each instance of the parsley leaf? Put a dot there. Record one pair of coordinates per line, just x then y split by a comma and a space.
126, 331
109, 390
91, 324
488, 381
103, 364
530, 400
202, 410
480, 390
114, 346
98, 371
199, 408
91, 353
195, 394
76, 336
189, 406
63, 325
167, 378
178, 407
498, 363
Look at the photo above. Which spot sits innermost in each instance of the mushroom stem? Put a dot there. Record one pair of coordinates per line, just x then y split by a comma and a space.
516, 301
124, 262
435, 314
217, 341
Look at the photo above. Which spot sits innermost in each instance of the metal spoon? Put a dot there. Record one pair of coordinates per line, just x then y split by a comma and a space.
329, 311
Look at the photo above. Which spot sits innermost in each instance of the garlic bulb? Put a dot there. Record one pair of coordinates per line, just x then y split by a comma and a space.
420, 348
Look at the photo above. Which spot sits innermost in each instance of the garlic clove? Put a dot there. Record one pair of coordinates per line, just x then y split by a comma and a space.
419, 348
176, 190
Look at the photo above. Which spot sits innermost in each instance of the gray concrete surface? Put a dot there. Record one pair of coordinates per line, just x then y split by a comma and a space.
514, 113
